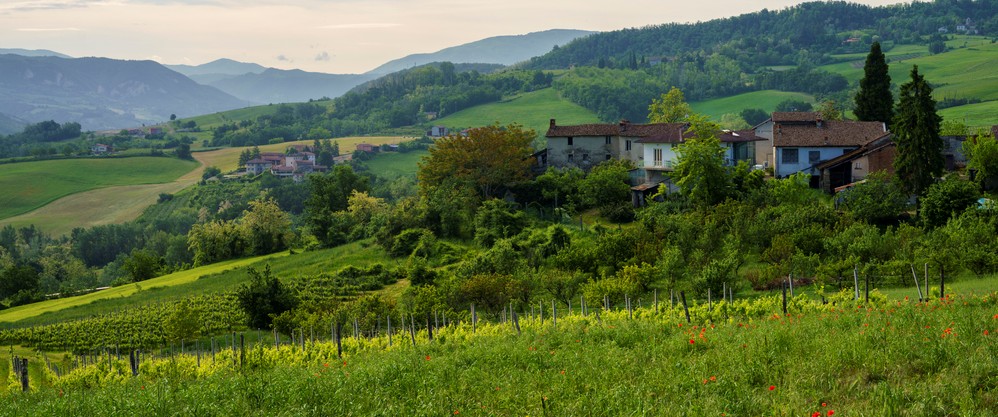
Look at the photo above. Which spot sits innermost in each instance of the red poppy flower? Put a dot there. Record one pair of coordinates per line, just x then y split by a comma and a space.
692, 341
772, 387
831, 412
427, 357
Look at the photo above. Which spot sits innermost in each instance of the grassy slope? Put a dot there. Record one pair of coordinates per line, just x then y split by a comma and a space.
765, 100
223, 276
249, 113
31, 185
532, 110
394, 165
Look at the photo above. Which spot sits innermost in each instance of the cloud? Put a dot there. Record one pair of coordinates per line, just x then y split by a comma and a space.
284, 58
324, 56
70, 29
361, 26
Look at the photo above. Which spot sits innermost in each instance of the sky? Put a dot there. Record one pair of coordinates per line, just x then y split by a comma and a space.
333, 36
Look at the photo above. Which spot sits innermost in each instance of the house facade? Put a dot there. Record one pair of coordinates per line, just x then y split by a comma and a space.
800, 141
651, 147
100, 149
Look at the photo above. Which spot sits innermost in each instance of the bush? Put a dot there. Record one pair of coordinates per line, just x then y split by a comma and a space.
407, 241
946, 198
264, 297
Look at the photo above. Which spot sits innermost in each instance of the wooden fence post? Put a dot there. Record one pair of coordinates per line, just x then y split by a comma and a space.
389, 330
242, 350
554, 314
784, 298
682, 296
429, 329
474, 322
916, 283
24, 374
412, 329
656, 301
339, 339
855, 278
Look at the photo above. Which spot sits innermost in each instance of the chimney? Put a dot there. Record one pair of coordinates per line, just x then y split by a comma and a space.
623, 124
552, 124
819, 121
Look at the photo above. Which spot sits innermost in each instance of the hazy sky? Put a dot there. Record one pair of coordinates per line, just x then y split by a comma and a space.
336, 36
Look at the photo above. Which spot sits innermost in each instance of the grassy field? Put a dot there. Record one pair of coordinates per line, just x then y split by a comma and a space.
394, 165
223, 276
975, 115
532, 110
30, 185
765, 100
887, 359
208, 121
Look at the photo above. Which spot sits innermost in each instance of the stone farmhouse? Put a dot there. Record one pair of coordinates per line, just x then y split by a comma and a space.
296, 164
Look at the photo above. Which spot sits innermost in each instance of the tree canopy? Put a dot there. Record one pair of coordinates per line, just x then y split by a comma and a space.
916, 132
671, 107
700, 172
487, 158
874, 101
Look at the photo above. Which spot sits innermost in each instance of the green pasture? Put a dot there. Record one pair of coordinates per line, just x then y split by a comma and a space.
391, 165
982, 115
765, 100
219, 277
235, 116
533, 110
30, 185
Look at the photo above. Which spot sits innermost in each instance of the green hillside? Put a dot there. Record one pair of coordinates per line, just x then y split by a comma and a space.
532, 110
29, 185
393, 165
219, 277
765, 100
234, 116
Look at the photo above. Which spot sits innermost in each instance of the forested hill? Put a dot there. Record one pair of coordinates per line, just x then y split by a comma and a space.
807, 32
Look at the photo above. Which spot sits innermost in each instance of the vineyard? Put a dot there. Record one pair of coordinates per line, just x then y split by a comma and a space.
746, 357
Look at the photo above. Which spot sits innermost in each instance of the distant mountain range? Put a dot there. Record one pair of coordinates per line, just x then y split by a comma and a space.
102, 93
504, 50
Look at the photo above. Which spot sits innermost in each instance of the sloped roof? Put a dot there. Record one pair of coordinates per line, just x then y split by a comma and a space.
834, 133
796, 116
662, 131
867, 148
259, 161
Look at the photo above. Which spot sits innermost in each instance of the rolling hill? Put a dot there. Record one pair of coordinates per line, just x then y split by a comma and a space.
287, 86
102, 93
533, 110
505, 50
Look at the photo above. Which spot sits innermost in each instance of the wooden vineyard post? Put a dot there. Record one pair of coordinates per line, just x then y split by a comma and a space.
389, 330
926, 286
784, 299
582, 305
339, 339
710, 302
916, 283
790, 280
516, 322
212, 349
474, 323
554, 314
429, 329
412, 329
855, 278
656, 301
630, 314
242, 350
24, 375
686, 309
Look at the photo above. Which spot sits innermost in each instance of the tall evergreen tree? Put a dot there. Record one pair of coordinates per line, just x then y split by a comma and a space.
916, 133
874, 101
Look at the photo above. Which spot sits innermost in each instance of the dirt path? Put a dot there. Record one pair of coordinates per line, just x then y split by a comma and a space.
104, 205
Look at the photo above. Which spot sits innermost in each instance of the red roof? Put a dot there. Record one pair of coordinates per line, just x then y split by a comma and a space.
833, 133
796, 116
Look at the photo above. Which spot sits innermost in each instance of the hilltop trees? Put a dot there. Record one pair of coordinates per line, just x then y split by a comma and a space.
671, 107
874, 101
488, 158
916, 133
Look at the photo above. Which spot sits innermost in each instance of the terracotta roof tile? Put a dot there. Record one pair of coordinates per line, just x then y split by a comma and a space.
797, 116
836, 133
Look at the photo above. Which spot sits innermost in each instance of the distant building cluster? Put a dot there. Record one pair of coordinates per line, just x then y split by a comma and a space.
298, 162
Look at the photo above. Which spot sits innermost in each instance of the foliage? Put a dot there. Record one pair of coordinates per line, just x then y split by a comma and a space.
325, 209
497, 219
700, 172
982, 156
266, 228
671, 107
874, 101
916, 132
878, 199
792, 105
754, 116
606, 186
490, 158
263, 298
947, 198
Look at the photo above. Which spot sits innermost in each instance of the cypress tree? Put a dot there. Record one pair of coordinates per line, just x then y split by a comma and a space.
874, 101
916, 132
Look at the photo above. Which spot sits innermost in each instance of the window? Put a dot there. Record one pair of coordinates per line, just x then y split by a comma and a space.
607, 140
571, 158
813, 157
585, 157
607, 157
627, 145
657, 158
569, 141
789, 156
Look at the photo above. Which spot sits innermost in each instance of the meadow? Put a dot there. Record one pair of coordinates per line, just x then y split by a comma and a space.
747, 358
532, 110
227, 159
765, 100
394, 165
31, 185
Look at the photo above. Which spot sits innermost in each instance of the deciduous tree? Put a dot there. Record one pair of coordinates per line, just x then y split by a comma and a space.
671, 107
490, 157
700, 172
